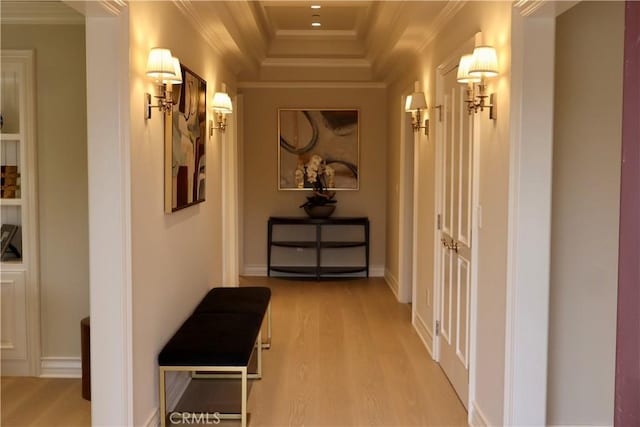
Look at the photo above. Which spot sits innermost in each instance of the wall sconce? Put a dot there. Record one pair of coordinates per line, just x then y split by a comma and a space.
221, 107
415, 104
165, 71
473, 70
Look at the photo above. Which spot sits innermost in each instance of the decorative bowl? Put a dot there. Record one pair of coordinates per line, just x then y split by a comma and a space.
320, 211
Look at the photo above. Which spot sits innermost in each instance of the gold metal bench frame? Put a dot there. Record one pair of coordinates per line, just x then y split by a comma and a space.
221, 372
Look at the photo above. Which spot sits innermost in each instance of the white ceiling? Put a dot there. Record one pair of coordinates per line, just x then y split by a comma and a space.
273, 41
359, 41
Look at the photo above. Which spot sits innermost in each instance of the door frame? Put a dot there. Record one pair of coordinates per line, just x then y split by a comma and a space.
109, 177
449, 63
407, 273
230, 200
529, 230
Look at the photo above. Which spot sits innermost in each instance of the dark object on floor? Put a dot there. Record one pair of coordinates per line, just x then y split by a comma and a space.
85, 344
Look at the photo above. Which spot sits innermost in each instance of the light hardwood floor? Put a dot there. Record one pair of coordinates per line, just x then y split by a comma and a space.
46, 402
344, 353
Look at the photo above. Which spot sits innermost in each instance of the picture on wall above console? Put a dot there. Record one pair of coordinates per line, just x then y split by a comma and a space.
332, 134
185, 140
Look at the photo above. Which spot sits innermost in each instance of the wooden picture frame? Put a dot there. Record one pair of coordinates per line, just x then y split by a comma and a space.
333, 134
185, 143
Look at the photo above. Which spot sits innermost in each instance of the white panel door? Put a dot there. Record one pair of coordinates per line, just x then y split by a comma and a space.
455, 234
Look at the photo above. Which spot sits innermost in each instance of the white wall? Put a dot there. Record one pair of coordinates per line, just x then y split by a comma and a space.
585, 214
261, 197
176, 257
62, 179
493, 20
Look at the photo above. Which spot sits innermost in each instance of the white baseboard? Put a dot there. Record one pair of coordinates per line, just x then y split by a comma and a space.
153, 420
476, 417
424, 332
60, 367
260, 270
392, 282
176, 383
377, 271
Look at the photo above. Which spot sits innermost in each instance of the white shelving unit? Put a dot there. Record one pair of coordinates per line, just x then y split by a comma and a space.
19, 288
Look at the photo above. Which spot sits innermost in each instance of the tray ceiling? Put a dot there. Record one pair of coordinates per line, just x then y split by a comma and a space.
273, 41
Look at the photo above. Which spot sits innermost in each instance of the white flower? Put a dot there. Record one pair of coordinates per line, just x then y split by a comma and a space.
312, 175
315, 161
299, 177
330, 173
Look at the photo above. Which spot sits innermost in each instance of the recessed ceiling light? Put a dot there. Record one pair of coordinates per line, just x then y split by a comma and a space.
315, 24
315, 6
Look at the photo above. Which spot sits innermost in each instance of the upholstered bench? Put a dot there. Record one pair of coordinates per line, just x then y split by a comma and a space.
218, 341
254, 299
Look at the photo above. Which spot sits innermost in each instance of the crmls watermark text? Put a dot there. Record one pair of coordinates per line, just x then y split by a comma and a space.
194, 418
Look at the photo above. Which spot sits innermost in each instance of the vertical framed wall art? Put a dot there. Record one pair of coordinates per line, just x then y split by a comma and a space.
185, 142
332, 134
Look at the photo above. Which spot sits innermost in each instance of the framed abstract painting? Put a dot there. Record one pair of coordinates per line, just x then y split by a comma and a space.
332, 134
185, 142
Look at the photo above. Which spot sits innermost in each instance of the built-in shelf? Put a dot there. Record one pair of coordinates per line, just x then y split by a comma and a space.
10, 202
318, 271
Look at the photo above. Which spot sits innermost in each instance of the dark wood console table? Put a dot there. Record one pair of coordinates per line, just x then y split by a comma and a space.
318, 271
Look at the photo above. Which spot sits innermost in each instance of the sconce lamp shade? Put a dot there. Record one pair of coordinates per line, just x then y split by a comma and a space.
463, 70
407, 104
177, 78
484, 63
160, 64
415, 101
222, 103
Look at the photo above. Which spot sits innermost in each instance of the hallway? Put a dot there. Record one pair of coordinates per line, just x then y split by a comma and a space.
344, 354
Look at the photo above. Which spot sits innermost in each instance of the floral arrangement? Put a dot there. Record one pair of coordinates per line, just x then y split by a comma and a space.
320, 176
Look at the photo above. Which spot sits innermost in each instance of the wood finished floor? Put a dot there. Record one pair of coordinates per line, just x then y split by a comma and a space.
344, 353
45, 402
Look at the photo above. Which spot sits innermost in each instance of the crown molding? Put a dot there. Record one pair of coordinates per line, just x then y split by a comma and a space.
113, 7
39, 13
543, 8
440, 21
377, 40
187, 8
220, 24
528, 7
311, 85
393, 70
317, 62
97, 8
317, 34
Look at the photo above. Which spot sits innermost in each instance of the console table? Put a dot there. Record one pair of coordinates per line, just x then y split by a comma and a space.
319, 270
